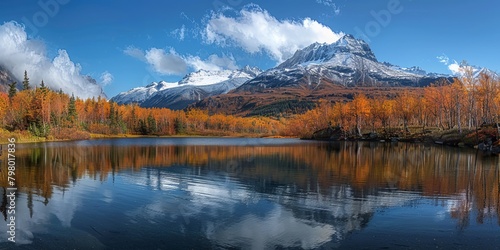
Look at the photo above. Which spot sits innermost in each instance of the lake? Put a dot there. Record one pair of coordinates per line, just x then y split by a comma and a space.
235, 193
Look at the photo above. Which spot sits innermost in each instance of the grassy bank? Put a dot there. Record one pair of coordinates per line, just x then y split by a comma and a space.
485, 138
26, 137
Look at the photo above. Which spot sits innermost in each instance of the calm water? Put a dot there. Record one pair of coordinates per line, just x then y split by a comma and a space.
196, 193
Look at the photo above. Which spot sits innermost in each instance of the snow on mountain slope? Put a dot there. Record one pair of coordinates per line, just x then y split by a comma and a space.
193, 87
140, 94
180, 97
348, 62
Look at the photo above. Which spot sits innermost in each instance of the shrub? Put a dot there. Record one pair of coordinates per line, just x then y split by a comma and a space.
69, 134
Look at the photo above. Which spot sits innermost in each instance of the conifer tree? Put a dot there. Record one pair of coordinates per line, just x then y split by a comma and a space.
12, 90
26, 81
72, 109
42, 86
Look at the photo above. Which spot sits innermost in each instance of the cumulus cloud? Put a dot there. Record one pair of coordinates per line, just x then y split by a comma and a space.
106, 78
18, 53
331, 4
255, 30
171, 63
166, 63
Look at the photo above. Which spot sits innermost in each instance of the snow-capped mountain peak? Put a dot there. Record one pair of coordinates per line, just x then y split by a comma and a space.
347, 62
205, 77
323, 52
192, 87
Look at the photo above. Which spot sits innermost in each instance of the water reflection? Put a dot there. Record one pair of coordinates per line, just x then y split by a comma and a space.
250, 194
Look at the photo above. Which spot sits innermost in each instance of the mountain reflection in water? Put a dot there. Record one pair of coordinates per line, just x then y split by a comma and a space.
244, 193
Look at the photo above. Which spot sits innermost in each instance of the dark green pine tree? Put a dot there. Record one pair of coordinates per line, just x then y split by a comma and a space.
72, 109
12, 90
152, 128
26, 81
42, 86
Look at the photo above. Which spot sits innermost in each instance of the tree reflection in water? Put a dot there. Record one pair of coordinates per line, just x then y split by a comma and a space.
359, 170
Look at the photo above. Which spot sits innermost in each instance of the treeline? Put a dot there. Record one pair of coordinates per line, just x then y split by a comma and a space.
467, 103
42, 112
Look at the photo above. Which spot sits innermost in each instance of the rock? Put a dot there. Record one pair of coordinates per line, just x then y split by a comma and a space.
495, 150
330, 133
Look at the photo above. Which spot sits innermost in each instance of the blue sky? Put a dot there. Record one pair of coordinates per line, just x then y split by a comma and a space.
125, 44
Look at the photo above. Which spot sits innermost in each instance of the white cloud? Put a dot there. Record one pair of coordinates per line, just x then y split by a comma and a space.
106, 78
166, 63
331, 4
18, 53
135, 52
454, 67
255, 30
171, 63
443, 59
179, 33
214, 62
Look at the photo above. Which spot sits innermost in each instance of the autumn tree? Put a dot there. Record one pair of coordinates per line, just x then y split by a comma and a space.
488, 89
381, 110
360, 109
470, 84
4, 105
38, 116
405, 103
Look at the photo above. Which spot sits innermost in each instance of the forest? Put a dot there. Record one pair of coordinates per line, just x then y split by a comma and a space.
44, 113
469, 102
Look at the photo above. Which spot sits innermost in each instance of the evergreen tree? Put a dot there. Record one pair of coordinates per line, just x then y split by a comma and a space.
152, 128
179, 126
12, 90
114, 118
26, 81
142, 128
72, 109
43, 88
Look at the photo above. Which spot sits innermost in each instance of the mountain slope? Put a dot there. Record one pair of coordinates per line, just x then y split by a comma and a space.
330, 71
348, 62
6, 78
192, 88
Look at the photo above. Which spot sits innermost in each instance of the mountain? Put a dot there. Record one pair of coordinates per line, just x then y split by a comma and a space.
330, 71
478, 71
6, 78
349, 62
192, 88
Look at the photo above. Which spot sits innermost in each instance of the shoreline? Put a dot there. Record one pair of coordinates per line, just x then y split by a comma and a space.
485, 139
22, 139
482, 139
